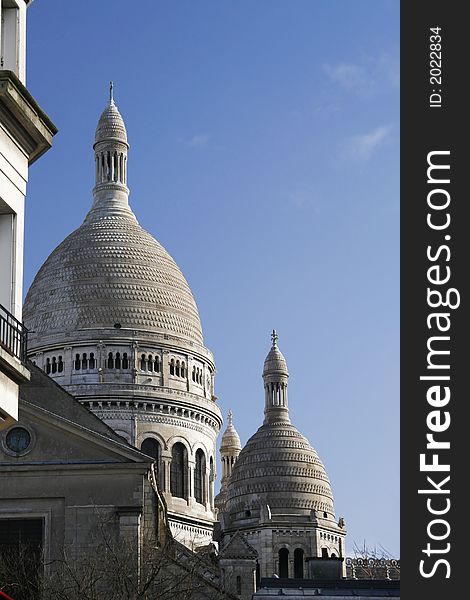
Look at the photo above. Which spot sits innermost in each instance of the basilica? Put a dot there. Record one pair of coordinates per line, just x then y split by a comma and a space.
121, 414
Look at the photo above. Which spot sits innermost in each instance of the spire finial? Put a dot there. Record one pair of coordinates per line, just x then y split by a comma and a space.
274, 338
230, 418
111, 98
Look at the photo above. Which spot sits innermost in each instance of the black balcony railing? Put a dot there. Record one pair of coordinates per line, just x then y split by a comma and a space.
13, 335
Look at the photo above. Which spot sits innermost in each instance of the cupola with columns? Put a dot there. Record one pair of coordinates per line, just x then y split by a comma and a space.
111, 147
275, 376
230, 448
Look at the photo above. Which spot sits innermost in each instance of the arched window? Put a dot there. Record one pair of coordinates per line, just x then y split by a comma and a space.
178, 471
194, 374
324, 552
239, 584
110, 361
200, 477
284, 562
177, 368
172, 367
60, 365
156, 364
333, 555
298, 563
125, 361
183, 369
84, 361
48, 365
150, 362
117, 362
77, 362
143, 363
91, 363
54, 364
152, 448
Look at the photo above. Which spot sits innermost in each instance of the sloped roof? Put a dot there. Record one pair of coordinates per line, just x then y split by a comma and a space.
45, 393
238, 547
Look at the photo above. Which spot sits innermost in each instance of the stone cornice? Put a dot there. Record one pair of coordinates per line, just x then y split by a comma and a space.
22, 117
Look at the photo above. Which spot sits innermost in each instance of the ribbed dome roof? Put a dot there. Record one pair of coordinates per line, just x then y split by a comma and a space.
275, 363
279, 467
110, 270
230, 439
111, 124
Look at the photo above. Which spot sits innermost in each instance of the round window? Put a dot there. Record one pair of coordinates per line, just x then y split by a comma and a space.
18, 439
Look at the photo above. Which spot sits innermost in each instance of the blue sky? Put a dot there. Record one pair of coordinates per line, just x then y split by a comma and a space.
264, 156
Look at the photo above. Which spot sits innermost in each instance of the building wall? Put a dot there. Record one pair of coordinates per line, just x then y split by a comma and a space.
25, 133
139, 403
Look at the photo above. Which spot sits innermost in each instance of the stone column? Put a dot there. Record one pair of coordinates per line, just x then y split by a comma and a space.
166, 463
165, 368
68, 364
191, 498
208, 491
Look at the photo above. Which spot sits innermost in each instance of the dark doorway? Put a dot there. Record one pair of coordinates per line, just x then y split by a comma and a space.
284, 563
298, 563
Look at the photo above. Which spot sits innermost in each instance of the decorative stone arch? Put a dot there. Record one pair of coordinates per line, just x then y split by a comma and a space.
200, 446
151, 434
179, 438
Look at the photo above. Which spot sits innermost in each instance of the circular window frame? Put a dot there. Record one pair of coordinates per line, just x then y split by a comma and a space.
24, 452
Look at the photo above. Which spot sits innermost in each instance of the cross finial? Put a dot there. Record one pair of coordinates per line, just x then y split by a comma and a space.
230, 418
111, 86
274, 338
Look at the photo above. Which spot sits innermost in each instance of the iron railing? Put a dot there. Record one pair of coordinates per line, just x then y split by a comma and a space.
13, 335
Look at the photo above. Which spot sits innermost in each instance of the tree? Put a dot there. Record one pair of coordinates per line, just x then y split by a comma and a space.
168, 572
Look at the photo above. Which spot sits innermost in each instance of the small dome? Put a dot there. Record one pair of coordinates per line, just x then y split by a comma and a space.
275, 363
230, 439
111, 125
279, 467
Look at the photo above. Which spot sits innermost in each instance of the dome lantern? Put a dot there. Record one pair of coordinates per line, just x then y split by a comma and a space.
275, 376
110, 192
230, 448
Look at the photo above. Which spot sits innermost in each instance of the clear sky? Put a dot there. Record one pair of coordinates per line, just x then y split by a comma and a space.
264, 156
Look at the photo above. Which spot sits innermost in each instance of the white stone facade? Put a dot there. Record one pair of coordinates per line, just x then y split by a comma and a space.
25, 133
116, 325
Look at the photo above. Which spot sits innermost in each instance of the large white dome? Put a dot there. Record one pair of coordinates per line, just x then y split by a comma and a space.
111, 271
